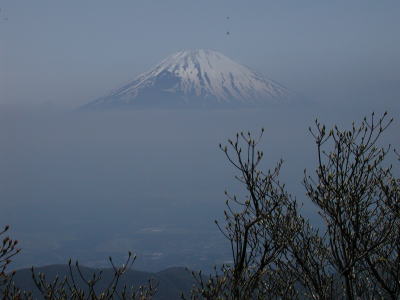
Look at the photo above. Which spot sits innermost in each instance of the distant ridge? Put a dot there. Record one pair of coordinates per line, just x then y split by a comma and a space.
195, 78
170, 282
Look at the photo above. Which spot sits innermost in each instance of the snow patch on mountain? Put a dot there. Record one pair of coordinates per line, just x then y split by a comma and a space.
197, 77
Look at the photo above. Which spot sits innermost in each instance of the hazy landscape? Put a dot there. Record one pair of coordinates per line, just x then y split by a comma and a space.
110, 124
89, 185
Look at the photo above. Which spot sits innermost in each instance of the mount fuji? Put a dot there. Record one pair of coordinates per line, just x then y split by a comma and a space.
195, 78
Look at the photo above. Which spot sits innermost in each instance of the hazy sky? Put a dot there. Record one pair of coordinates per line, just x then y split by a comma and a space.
69, 52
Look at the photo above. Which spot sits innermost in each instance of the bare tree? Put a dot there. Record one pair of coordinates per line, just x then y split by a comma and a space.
276, 252
257, 228
348, 192
74, 286
70, 287
384, 264
8, 249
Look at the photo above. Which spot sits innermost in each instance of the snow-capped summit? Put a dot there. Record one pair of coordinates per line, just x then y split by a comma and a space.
195, 78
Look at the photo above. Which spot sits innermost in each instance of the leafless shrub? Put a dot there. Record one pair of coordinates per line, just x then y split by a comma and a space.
76, 285
278, 254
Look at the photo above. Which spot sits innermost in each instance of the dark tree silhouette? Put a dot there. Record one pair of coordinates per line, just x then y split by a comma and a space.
69, 287
8, 249
277, 254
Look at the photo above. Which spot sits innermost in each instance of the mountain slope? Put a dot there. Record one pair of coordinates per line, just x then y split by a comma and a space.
195, 78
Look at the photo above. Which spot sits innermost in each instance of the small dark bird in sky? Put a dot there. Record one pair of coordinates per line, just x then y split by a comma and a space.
228, 32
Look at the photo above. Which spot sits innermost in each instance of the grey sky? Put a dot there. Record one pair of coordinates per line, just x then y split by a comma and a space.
69, 52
